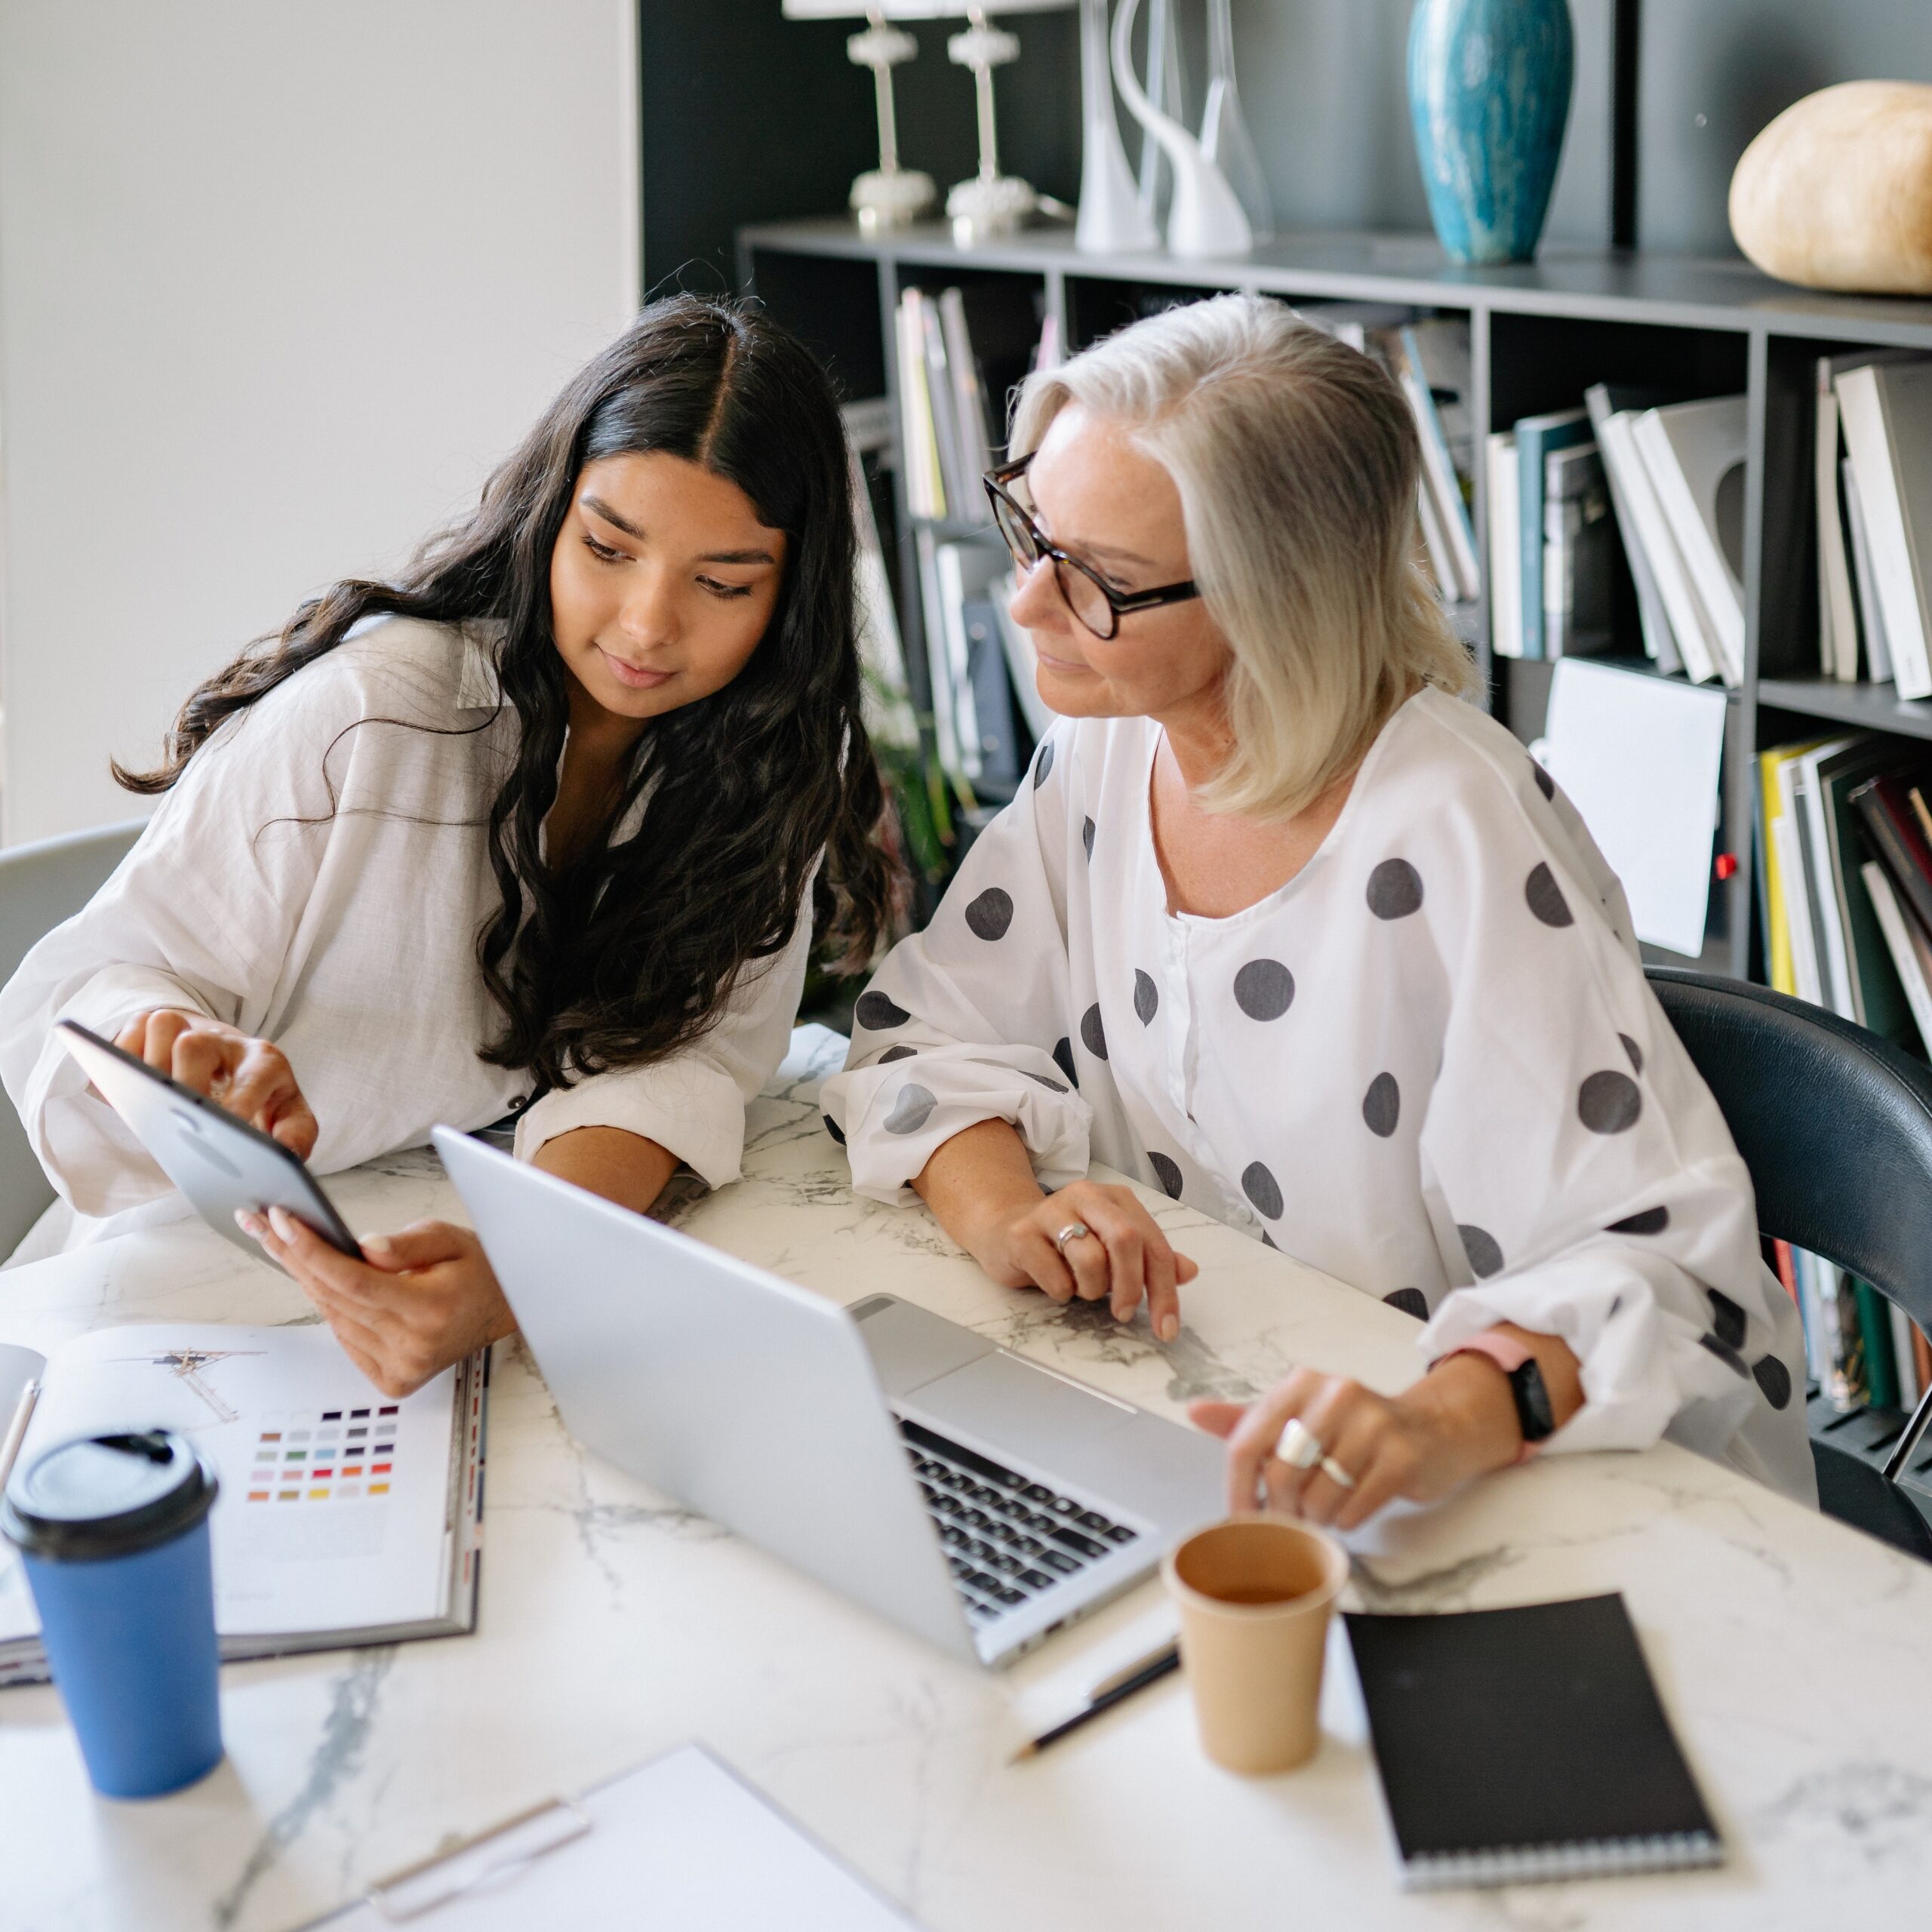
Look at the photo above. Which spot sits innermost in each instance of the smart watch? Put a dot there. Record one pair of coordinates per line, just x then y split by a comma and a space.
1534, 1416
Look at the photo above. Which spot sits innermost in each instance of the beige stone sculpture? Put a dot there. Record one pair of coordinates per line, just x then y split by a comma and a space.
1837, 191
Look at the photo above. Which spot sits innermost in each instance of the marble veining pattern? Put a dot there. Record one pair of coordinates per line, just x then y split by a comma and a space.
1792, 1654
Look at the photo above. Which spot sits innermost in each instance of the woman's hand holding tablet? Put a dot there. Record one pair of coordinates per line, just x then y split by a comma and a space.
419, 1300
249, 1078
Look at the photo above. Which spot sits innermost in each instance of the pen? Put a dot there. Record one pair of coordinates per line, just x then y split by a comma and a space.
1108, 1692
17, 1428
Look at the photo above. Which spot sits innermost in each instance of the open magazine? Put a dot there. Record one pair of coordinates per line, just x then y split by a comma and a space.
345, 1517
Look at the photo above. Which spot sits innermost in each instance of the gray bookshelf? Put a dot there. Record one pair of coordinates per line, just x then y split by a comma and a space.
1540, 332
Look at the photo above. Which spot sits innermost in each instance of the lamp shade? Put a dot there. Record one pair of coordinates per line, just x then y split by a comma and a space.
915, 9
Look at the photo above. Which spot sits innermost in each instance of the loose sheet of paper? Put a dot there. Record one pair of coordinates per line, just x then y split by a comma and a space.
1639, 756
680, 1842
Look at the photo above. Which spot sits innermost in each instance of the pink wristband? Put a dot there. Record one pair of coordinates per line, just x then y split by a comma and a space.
1508, 1354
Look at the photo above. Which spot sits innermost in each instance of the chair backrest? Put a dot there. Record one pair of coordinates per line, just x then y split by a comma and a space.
40, 886
1835, 1124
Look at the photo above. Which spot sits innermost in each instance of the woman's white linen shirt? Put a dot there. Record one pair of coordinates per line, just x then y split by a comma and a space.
318, 878
1429, 1065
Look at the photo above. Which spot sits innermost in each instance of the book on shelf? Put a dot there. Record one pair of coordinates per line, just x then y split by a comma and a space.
925, 485
1436, 553
1536, 437
1885, 411
1864, 986
1688, 627
1439, 352
1048, 353
344, 1518
1453, 543
1355, 323
975, 719
1694, 455
1576, 554
1430, 361
1840, 1363
1778, 867
968, 410
1830, 807
1898, 842
887, 696
956, 493
1865, 621
1506, 540
1840, 627
1023, 663
1602, 401
1907, 942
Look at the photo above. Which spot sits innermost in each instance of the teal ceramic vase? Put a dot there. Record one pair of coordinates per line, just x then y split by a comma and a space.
1489, 90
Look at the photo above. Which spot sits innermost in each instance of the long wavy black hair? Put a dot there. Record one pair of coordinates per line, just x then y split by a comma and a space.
628, 957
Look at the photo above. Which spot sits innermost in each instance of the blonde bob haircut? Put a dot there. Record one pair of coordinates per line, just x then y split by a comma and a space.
1296, 460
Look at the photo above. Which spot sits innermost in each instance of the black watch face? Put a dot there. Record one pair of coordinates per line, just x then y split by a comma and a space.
1538, 1419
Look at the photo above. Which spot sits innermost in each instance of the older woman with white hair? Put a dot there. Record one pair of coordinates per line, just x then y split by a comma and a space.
1280, 925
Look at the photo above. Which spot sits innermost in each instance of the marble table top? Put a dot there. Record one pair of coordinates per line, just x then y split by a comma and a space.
1794, 1656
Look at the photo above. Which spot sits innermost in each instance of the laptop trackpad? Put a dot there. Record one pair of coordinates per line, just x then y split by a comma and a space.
1026, 1410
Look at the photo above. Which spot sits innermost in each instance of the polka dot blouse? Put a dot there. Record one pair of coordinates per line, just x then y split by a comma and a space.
1429, 1066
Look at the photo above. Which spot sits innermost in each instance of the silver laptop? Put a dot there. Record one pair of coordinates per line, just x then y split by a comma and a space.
968, 1494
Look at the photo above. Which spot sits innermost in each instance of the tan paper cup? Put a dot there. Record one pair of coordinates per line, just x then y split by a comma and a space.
1255, 1596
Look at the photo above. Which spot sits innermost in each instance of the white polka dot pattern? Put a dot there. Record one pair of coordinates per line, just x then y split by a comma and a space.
1428, 1065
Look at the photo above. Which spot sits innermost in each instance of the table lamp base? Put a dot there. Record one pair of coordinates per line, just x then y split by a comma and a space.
882, 198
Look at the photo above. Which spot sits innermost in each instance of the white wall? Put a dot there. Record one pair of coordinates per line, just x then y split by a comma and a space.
278, 283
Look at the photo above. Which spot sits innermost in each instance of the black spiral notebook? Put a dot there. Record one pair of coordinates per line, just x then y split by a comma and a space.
1525, 1744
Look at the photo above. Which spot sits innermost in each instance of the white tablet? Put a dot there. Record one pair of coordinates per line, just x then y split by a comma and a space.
221, 1164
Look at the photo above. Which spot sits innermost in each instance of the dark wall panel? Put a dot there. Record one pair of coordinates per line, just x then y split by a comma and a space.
1712, 73
748, 116
751, 117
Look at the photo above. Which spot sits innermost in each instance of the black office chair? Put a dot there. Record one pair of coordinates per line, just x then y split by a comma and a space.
1836, 1125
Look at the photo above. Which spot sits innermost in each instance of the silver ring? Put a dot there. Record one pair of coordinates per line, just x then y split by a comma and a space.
1298, 1447
1336, 1474
1072, 1232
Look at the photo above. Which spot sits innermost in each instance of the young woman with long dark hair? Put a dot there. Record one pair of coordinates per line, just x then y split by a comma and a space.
542, 826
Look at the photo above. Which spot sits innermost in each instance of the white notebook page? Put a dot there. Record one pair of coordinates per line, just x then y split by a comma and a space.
334, 1498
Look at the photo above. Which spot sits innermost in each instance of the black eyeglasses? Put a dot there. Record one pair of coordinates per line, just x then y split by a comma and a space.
1098, 608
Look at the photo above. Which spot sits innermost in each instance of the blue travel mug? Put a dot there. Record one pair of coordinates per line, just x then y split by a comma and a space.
113, 1531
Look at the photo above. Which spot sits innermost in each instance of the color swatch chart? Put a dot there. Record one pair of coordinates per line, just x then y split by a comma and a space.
345, 1455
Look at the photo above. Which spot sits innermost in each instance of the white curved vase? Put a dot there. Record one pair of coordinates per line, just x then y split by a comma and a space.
1207, 217
1111, 216
1224, 140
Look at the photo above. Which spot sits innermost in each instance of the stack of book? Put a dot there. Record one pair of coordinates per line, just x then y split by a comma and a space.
1429, 356
1668, 478
1873, 481
986, 713
1845, 850
1862, 1351
945, 435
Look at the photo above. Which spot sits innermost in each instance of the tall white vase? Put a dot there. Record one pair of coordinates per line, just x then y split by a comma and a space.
1224, 140
1207, 217
1111, 216
1166, 88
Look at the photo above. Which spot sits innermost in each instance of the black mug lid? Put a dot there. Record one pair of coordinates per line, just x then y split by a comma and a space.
107, 1495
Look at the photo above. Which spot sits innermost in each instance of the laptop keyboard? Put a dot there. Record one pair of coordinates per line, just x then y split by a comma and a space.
1006, 1537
